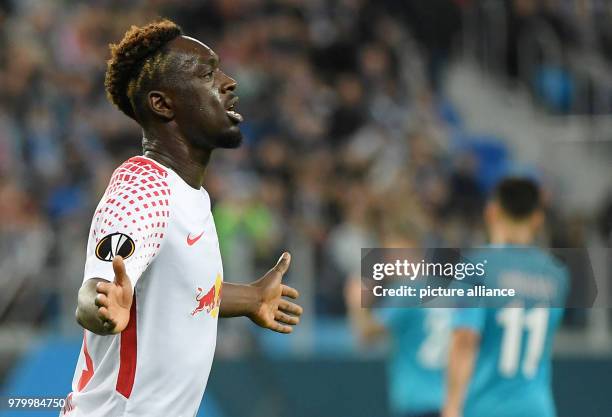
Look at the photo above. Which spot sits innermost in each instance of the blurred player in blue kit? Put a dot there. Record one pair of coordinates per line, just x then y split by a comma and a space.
418, 339
500, 358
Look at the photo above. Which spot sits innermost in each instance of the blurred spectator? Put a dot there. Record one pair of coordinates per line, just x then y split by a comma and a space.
343, 139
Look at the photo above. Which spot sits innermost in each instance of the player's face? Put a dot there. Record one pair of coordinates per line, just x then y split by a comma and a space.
204, 99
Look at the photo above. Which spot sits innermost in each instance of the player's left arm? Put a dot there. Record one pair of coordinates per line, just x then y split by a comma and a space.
464, 346
365, 325
262, 301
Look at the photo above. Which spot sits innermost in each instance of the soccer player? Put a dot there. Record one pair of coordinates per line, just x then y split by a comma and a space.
153, 285
500, 358
418, 339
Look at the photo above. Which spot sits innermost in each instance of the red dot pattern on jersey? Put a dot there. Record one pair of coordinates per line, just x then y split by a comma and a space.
143, 217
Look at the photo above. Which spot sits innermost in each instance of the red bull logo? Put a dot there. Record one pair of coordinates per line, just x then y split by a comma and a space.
210, 301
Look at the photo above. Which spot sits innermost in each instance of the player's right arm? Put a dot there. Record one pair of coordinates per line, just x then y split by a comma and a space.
467, 326
126, 235
103, 307
462, 354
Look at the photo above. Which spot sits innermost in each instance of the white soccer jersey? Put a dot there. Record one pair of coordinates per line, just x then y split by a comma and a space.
159, 365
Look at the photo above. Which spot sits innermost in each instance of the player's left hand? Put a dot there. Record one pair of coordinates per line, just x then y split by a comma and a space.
275, 312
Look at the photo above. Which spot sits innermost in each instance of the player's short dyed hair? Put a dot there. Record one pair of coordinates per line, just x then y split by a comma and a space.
518, 197
136, 62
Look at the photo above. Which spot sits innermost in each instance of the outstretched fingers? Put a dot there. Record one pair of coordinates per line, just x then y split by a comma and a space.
284, 318
101, 300
280, 328
104, 314
119, 270
104, 287
290, 308
283, 263
290, 292
107, 321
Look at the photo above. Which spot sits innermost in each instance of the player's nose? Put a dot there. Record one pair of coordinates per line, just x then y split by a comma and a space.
227, 84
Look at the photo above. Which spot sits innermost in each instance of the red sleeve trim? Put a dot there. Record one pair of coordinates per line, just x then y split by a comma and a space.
127, 355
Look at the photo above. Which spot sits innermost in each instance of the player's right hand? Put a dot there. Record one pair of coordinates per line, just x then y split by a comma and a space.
114, 299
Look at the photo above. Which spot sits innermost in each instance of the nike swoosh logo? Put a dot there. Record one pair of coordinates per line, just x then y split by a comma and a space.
191, 241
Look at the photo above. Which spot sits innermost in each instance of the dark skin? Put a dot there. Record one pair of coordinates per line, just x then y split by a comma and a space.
182, 124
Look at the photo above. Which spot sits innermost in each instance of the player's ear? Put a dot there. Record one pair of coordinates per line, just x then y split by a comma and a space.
537, 220
160, 104
491, 212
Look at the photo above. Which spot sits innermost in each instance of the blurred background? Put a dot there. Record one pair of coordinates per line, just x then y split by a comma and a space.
366, 122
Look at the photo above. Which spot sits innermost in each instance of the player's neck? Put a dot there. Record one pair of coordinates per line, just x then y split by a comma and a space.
504, 235
176, 154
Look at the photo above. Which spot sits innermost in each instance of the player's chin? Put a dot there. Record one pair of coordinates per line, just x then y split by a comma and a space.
230, 138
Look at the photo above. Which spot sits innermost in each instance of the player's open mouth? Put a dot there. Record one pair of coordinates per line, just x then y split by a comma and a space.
233, 115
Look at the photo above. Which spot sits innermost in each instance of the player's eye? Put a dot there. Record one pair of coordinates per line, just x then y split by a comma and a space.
208, 75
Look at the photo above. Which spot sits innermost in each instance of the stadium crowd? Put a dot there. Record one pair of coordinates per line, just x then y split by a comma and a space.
349, 139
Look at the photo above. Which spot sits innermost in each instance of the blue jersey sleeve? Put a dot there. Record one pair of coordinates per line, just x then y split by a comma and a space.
470, 318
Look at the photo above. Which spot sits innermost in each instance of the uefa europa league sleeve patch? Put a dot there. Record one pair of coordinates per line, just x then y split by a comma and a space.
115, 244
